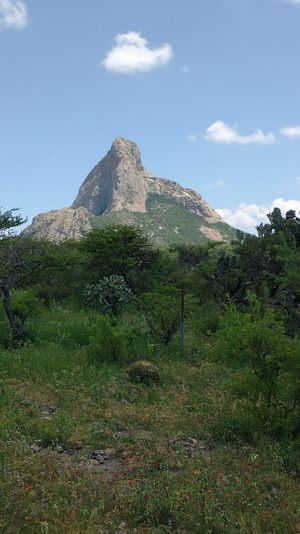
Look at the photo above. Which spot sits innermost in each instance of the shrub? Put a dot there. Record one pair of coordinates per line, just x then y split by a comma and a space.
143, 372
23, 305
108, 343
161, 310
269, 360
139, 339
111, 294
64, 326
4, 329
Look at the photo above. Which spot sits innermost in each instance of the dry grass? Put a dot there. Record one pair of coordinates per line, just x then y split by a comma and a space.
162, 485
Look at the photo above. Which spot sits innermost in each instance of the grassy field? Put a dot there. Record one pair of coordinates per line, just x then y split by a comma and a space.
85, 450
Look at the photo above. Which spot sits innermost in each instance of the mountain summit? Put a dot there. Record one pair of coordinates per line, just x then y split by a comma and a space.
118, 182
120, 190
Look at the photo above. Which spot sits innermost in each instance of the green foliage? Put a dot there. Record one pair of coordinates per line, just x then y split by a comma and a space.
140, 340
161, 310
63, 326
57, 271
119, 250
108, 343
289, 226
9, 220
25, 303
255, 342
191, 256
5, 333
24, 306
53, 432
165, 222
217, 439
111, 294
206, 320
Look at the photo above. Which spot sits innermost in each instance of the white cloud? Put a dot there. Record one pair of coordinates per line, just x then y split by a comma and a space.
219, 132
298, 179
192, 138
248, 216
292, 132
296, 2
13, 14
132, 54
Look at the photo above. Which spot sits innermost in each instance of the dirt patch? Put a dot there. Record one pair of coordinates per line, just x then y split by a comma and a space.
102, 460
46, 410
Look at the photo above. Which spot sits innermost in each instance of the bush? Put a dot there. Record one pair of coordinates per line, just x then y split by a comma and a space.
161, 310
111, 294
139, 339
5, 334
23, 305
269, 360
108, 343
143, 372
64, 326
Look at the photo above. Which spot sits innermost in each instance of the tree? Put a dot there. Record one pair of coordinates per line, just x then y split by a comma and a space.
119, 250
111, 294
289, 226
162, 313
9, 221
57, 270
191, 256
15, 252
255, 342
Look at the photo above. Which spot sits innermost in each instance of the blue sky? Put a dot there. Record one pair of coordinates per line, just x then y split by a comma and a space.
209, 89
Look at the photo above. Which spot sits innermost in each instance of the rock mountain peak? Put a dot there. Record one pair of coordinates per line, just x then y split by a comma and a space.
125, 148
120, 183
117, 181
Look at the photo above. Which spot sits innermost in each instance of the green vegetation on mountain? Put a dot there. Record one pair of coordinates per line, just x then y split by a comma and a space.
105, 426
166, 222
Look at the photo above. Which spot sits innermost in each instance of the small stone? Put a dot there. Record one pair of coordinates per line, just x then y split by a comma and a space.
109, 453
98, 452
73, 445
59, 448
47, 409
92, 463
35, 449
98, 456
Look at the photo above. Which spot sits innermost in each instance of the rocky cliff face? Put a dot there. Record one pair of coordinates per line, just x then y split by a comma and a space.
120, 182
57, 225
121, 185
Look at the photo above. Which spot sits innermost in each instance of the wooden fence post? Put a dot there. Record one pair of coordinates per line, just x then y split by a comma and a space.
182, 294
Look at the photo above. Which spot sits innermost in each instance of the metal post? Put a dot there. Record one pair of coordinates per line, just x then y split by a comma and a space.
182, 318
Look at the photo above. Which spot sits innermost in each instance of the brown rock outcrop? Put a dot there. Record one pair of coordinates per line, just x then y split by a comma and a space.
121, 182
57, 225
